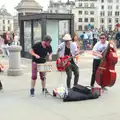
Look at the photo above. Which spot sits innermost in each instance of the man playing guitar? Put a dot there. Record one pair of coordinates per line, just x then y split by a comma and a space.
69, 48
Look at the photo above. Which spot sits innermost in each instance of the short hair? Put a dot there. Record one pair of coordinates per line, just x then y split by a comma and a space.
103, 34
47, 38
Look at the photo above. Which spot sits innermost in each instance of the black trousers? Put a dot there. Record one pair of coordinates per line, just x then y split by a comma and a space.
94, 41
96, 63
73, 67
0, 85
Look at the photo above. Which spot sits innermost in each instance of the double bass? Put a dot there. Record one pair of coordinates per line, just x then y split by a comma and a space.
105, 74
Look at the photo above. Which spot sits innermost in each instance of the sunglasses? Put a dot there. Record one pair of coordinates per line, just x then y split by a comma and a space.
102, 37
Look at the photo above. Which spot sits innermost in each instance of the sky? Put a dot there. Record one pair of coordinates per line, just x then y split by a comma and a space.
13, 3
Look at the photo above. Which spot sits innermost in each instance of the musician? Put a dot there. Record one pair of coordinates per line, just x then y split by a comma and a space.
39, 52
98, 49
69, 48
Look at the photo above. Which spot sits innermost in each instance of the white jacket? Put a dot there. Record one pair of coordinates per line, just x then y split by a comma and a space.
73, 49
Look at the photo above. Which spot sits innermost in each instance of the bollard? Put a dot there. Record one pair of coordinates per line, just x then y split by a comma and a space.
14, 61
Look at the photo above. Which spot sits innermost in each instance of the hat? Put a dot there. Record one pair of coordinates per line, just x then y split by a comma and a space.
67, 37
47, 38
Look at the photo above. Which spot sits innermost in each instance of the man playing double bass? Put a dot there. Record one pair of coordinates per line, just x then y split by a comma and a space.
98, 49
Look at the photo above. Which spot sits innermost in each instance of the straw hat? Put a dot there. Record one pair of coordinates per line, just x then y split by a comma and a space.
67, 37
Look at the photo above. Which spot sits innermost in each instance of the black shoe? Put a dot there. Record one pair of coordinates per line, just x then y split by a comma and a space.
32, 90
1, 88
45, 90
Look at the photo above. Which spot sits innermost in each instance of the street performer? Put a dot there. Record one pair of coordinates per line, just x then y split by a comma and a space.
67, 47
98, 50
39, 52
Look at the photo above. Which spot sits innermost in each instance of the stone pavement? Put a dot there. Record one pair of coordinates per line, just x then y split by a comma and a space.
16, 104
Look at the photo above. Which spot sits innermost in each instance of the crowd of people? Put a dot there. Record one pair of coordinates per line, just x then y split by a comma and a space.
6, 40
91, 37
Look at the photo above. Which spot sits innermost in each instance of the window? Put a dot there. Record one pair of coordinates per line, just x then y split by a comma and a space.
110, 27
92, 5
116, 13
80, 27
8, 21
86, 12
102, 7
80, 19
80, 4
117, 6
86, 20
86, 5
9, 29
102, 20
109, 13
102, 13
116, 20
102, 1
80, 12
109, 7
92, 12
109, 20
91, 19
3, 21
85, 27
56, 11
3, 28
110, 1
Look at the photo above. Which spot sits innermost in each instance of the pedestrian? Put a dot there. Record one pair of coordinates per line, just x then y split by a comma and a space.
95, 36
75, 39
39, 53
90, 37
5, 44
85, 40
118, 38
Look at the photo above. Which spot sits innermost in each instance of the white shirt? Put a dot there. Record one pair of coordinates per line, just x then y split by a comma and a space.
85, 36
90, 34
73, 49
99, 47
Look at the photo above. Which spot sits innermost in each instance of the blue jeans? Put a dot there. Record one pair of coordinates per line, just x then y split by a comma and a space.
85, 44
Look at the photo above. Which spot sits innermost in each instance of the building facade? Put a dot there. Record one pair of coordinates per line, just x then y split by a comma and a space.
61, 7
85, 13
103, 14
108, 14
6, 21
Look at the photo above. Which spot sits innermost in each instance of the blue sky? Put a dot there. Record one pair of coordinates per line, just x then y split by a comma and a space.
13, 3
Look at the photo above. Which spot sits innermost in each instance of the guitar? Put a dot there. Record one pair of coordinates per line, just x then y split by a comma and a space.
63, 62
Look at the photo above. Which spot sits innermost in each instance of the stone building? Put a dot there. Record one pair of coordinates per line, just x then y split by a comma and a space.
6, 21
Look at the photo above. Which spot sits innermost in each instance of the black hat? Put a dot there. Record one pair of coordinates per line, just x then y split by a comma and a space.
47, 38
